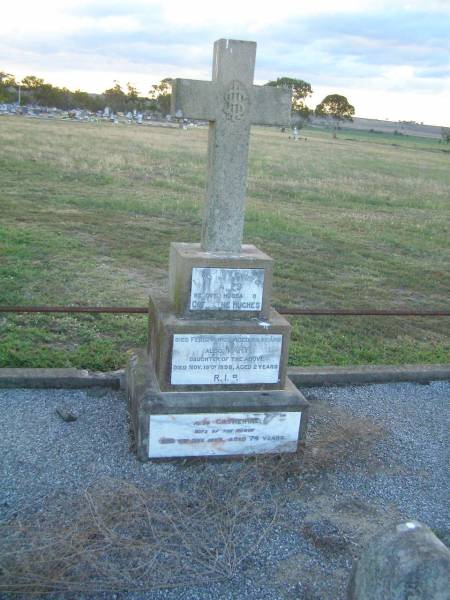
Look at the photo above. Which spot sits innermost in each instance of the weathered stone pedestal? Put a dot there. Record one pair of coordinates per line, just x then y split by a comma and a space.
213, 382
201, 282
213, 379
194, 354
216, 423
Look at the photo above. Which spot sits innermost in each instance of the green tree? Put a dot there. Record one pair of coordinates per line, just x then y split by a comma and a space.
80, 99
63, 98
31, 82
47, 95
301, 90
7, 87
337, 108
161, 93
445, 134
132, 92
115, 97
134, 101
31, 86
84, 100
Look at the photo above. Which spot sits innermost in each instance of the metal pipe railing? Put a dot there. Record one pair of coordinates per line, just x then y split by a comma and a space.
335, 312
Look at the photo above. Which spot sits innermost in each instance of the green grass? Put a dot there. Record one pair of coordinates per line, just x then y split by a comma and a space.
88, 212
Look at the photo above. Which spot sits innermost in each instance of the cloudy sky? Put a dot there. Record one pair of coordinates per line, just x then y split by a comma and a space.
391, 58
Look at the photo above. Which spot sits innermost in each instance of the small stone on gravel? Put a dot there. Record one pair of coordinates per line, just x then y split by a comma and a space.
65, 415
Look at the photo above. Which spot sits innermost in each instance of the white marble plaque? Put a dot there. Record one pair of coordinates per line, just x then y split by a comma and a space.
225, 359
227, 289
209, 434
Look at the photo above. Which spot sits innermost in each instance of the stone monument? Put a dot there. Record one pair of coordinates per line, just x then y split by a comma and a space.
212, 381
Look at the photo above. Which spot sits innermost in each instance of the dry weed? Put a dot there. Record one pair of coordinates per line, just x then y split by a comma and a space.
117, 536
347, 439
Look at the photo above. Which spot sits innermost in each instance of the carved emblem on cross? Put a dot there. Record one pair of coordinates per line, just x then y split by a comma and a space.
236, 101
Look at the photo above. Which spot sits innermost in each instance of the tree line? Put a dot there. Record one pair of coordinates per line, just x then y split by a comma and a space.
34, 90
334, 106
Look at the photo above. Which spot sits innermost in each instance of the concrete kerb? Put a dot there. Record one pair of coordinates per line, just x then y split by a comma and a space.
59, 378
327, 376
301, 376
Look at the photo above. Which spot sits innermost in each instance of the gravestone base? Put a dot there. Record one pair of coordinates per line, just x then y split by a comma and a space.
196, 354
215, 423
197, 279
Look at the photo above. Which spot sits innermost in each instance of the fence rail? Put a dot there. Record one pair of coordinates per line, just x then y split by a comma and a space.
335, 312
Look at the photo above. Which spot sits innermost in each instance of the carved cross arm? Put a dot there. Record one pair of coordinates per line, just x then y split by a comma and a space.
194, 99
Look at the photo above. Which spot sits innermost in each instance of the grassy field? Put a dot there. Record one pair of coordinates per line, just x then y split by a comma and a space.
88, 212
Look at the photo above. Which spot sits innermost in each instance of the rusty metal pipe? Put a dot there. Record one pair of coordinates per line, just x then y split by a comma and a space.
74, 309
335, 312
369, 312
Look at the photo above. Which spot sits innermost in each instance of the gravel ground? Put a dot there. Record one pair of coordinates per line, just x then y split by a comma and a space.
375, 455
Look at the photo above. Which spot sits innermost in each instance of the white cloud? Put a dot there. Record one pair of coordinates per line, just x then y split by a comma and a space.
61, 15
383, 49
22, 18
396, 106
255, 14
116, 23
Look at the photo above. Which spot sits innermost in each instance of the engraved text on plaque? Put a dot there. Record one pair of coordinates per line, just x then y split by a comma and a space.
227, 289
206, 434
230, 359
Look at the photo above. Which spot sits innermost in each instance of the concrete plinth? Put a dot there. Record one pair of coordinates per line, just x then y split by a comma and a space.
215, 423
206, 285
196, 354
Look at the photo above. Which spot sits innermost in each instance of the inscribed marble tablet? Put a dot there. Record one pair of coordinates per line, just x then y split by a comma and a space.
229, 359
227, 289
209, 434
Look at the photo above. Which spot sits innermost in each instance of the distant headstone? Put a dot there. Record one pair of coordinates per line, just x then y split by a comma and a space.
405, 562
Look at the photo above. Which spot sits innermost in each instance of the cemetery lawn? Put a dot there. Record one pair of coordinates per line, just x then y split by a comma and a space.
87, 213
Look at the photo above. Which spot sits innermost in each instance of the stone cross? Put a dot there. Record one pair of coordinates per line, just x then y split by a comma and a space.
231, 103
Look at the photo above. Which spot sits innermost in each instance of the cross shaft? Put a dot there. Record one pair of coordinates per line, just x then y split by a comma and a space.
231, 104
